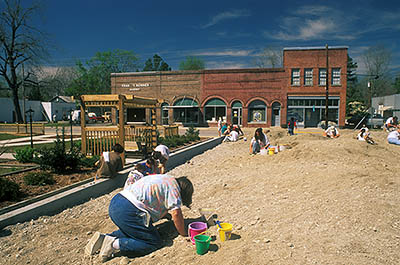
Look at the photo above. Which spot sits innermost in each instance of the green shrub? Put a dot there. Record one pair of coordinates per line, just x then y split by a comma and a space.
25, 155
88, 161
57, 158
8, 190
192, 134
39, 178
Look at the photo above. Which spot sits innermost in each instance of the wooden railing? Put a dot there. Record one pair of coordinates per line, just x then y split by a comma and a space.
37, 128
100, 139
171, 130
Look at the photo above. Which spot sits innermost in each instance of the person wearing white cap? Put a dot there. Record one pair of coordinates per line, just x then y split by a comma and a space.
332, 132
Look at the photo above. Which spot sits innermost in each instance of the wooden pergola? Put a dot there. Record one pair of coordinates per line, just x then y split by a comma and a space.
96, 140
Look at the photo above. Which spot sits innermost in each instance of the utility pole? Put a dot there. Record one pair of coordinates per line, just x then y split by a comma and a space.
327, 88
23, 93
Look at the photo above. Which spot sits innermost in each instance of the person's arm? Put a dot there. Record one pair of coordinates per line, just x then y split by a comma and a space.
179, 223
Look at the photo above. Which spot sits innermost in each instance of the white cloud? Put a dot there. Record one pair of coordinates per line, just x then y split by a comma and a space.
324, 22
225, 65
312, 23
232, 14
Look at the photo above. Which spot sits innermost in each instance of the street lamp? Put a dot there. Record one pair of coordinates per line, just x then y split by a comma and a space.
30, 111
70, 122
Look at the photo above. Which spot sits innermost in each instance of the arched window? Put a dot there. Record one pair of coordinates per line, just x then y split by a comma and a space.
214, 109
257, 112
186, 110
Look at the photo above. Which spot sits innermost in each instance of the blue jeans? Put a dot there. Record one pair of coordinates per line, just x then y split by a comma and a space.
134, 237
394, 141
256, 147
291, 131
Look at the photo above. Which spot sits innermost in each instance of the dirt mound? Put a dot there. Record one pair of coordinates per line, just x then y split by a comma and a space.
324, 201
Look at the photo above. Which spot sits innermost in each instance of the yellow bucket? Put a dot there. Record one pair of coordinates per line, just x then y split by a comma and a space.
271, 150
225, 231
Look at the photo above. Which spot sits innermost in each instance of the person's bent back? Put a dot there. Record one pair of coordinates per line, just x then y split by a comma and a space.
110, 162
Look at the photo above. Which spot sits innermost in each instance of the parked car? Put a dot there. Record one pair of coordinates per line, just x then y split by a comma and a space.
370, 120
96, 119
76, 116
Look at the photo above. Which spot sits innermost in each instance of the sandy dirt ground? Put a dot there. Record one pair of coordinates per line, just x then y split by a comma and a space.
324, 201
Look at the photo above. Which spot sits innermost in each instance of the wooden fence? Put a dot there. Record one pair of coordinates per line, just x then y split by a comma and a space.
171, 131
100, 139
37, 128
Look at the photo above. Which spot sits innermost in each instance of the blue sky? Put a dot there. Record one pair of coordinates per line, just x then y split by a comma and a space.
225, 34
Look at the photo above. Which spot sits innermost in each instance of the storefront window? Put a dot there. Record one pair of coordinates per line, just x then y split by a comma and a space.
213, 109
186, 111
257, 111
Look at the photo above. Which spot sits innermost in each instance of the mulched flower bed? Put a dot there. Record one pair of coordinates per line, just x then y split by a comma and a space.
61, 180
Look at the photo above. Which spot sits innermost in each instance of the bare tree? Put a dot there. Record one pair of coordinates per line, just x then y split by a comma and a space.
269, 57
377, 63
20, 42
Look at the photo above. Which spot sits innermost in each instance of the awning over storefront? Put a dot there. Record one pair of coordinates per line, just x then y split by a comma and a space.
184, 103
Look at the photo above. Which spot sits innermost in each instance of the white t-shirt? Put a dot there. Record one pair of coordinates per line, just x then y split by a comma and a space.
261, 143
389, 120
219, 124
234, 136
163, 150
360, 137
393, 135
330, 131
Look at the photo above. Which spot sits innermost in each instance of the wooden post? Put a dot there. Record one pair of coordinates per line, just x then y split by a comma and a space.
153, 129
121, 124
83, 127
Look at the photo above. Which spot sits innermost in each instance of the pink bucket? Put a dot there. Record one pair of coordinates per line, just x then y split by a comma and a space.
196, 228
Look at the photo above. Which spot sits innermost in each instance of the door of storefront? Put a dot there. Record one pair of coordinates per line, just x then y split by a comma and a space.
312, 117
237, 116
276, 114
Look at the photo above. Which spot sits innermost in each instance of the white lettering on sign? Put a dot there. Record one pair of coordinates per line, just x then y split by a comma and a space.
134, 89
136, 85
142, 85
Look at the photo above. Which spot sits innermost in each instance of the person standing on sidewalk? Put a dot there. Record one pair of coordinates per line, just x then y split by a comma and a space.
291, 125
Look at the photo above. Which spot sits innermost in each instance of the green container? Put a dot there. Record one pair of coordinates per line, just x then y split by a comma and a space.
202, 243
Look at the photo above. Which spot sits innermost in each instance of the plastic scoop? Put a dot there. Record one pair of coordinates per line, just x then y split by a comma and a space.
218, 223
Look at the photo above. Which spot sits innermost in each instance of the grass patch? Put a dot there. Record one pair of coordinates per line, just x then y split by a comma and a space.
4, 170
6, 136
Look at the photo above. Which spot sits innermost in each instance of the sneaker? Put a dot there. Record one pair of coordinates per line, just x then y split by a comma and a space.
94, 244
107, 250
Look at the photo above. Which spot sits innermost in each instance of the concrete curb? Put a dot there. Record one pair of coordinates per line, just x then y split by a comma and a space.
57, 201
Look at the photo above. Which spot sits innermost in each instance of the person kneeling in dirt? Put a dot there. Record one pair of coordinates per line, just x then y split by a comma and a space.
232, 137
394, 136
391, 124
332, 132
136, 208
364, 135
161, 156
259, 141
149, 167
110, 162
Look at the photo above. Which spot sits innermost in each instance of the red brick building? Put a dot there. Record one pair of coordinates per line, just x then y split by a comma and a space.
260, 97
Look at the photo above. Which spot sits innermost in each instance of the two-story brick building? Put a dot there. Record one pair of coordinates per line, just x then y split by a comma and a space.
259, 97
